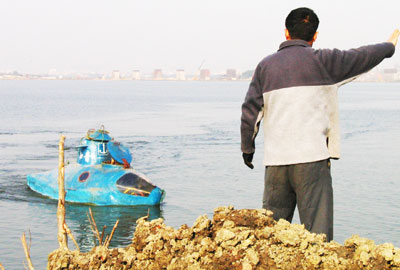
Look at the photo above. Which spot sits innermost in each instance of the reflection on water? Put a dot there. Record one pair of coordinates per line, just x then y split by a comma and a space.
77, 220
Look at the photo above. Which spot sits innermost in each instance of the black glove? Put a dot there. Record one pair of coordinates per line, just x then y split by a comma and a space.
248, 158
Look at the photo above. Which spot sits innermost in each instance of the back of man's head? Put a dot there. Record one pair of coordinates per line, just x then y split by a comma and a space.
302, 23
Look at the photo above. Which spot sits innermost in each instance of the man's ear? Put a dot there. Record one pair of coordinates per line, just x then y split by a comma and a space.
287, 35
315, 37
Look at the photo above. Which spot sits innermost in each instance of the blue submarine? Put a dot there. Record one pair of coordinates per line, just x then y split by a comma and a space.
101, 176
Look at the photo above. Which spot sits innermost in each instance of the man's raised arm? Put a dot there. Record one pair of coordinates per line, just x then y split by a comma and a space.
347, 64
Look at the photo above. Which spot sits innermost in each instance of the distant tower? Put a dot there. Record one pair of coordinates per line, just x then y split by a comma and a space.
136, 75
157, 74
180, 75
231, 74
115, 75
205, 74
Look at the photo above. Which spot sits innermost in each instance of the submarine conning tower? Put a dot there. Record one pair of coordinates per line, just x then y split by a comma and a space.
93, 148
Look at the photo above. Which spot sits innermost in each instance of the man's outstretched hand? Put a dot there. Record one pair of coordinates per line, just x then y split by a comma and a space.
394, 37
248, 158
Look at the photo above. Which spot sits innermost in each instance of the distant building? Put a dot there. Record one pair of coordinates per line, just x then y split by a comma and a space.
247, 75
157, 74
231, 74
136, 75
390, 70
115, 75
15, 75
205, 75
180, 75
390, 74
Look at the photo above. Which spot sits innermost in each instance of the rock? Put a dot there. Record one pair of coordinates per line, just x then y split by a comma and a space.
252, 256
224, 235
288, 237
246, 266
234, 239
386, 251
228, 224
364, 257
202, 223
396, 257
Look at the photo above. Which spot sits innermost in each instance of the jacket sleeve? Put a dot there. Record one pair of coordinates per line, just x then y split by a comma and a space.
252, 114
344, 65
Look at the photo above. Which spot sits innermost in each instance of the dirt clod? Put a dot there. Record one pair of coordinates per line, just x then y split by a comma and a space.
234, 239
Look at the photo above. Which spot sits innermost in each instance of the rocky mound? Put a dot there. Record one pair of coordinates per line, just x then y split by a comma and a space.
233, 239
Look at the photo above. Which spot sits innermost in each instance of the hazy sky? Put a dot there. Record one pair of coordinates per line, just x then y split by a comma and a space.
99, 36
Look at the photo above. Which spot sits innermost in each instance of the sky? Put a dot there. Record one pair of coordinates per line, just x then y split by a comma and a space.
100, 36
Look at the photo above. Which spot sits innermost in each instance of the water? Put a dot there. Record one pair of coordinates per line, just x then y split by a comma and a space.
185, 137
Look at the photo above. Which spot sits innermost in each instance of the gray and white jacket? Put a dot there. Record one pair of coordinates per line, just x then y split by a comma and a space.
295, 91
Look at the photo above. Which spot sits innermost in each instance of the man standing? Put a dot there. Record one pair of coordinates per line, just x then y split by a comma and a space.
295, 91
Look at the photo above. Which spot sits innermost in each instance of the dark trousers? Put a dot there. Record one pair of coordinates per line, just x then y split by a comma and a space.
309, 185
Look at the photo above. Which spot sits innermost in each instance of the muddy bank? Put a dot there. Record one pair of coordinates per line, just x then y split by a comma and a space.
233, 239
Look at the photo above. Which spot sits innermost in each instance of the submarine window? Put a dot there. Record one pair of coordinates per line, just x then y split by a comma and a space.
133, 184
84, 176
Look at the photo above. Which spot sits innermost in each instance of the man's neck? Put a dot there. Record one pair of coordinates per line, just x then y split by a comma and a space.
311, 42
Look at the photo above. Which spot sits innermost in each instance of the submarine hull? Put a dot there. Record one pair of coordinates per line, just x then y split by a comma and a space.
102, 184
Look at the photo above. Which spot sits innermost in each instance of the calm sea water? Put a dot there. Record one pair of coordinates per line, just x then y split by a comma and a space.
185, 137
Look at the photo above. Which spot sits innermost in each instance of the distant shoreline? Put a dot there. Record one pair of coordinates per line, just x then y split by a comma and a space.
168, 80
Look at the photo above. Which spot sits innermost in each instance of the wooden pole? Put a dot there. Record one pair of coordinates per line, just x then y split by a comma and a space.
26, 250
96, 230
107, 243
94, 227
71, 236
102, 234
62, 234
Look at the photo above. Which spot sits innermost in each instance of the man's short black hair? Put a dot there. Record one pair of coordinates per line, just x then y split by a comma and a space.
302, 23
